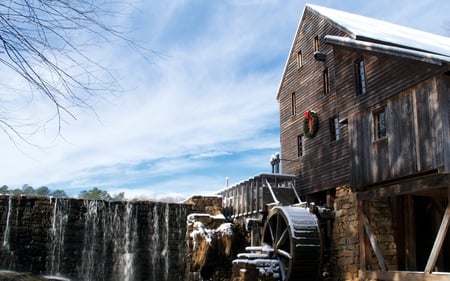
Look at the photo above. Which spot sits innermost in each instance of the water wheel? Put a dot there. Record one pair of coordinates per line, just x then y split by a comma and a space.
294, 235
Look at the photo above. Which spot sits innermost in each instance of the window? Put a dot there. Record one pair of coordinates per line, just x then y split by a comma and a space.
316, 44
361, 85
379, 118
293, 104
326, 83
299, 59
334, 129
300, 145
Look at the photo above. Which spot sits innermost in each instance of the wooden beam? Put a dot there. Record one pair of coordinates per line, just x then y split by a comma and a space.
374, 243
406, 186
439, 239
362, 238
402, 275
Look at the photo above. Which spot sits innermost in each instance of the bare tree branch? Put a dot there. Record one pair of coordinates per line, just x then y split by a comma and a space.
45, 42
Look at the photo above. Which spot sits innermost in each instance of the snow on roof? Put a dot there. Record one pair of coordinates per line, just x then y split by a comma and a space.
388, 49
364, 28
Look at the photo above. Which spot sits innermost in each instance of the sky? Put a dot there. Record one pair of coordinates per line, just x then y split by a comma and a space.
197, 109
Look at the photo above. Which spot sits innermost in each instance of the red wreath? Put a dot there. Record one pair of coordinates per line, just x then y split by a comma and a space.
310, 123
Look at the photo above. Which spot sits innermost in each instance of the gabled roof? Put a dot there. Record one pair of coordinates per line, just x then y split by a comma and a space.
376, 35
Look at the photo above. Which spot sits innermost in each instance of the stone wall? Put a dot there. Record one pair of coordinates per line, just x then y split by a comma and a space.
93, 240
345, 238
345, 252
380, 215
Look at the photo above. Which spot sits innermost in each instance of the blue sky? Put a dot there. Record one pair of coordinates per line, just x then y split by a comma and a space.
201, 108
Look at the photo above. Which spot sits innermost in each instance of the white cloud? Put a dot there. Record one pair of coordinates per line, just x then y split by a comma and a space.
211, 96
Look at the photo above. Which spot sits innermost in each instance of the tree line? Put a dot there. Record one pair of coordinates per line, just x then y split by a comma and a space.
43, 191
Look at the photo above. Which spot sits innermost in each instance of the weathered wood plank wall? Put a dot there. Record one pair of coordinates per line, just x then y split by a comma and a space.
411, 100
307, 83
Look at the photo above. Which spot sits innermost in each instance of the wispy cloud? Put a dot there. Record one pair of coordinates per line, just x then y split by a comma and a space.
203, 111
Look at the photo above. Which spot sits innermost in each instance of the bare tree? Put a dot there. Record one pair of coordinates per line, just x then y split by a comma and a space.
44, 42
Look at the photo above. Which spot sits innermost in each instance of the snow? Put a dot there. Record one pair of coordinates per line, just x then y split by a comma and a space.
363, 27
225, 229
201, 231
192, 218
424, 56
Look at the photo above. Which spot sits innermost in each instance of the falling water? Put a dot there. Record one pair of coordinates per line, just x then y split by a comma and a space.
7, 229
59, 221
155, 243
166, 241
90, 239
127, 258
95, 240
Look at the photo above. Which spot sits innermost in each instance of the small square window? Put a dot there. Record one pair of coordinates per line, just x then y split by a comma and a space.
360, 73
326, 82
379, 118
301, 145
299, 59
334, 128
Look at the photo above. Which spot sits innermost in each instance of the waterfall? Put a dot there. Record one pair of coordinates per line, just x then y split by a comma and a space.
59, 221
8, 225
155, 243
93, 240
165, 252
90, 266
127, 259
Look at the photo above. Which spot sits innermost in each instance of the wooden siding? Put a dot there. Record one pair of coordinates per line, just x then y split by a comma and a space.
416, 100
414, 142
332, 169
385, 76
443, 88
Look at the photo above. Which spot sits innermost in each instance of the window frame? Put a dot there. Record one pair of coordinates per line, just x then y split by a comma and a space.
326, 82
301, 145
293, 104
335, 133
360, 76
299, 59
316, 44
379, 127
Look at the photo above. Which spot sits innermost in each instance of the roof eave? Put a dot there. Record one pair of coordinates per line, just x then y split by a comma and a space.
388, 50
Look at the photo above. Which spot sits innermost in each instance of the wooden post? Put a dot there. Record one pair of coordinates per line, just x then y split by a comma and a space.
374, 243
439, 238
410, 239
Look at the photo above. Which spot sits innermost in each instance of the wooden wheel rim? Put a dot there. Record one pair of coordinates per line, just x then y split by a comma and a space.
294, 235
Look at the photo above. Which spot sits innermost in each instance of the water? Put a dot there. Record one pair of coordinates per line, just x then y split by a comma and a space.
95, 240
7, 229
59, 221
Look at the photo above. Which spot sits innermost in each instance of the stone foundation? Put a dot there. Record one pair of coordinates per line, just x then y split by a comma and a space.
345, 239
345, 248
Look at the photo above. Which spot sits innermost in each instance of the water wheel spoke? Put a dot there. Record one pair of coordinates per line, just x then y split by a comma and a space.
278, 226
271, 232
282, 238
284, 254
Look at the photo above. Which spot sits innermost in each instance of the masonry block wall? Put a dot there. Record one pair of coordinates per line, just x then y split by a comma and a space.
345, 237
